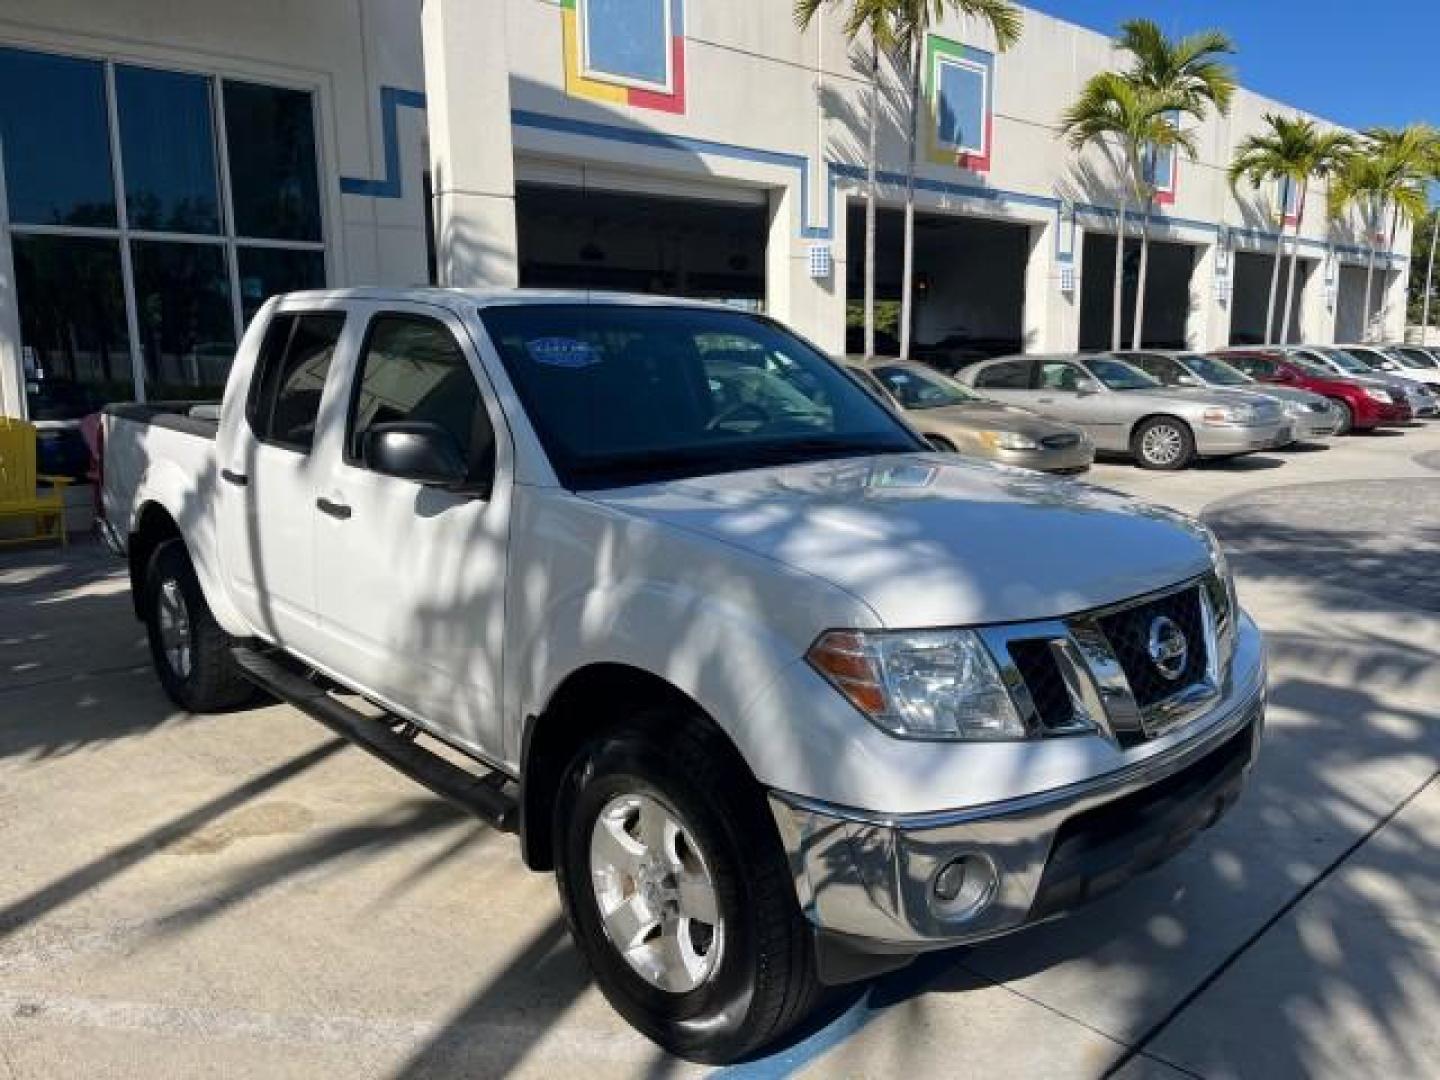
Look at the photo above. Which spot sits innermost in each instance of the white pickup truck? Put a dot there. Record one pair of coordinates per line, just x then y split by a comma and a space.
783, 697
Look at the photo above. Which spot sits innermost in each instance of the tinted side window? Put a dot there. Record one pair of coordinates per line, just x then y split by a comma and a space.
1260, 369
1058, 375
290, 378
1011, 375
1162, 367
412, 369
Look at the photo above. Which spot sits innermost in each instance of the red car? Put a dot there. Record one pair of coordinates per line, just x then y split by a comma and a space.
1364, 405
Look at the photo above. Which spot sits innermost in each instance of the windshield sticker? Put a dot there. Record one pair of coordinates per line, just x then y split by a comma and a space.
563, 352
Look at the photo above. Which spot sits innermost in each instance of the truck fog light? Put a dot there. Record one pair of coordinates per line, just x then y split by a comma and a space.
964, 887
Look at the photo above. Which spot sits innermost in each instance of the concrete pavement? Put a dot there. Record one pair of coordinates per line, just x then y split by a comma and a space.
244, 896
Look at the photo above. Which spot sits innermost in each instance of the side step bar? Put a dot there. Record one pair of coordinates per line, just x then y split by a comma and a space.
478, 795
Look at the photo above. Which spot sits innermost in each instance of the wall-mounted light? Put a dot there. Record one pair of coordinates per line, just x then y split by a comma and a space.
922, 286
1222, 289
821, 262
1067, 277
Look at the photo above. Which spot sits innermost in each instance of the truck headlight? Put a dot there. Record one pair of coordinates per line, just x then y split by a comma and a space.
1382, 396
923, 684
1008, 440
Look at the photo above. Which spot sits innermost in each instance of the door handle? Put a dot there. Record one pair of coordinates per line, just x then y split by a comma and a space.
238, 479
334, 509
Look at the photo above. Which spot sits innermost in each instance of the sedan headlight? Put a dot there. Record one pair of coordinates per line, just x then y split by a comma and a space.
1382, 396
924, 684
1008, 440
1231, 414
1296, 409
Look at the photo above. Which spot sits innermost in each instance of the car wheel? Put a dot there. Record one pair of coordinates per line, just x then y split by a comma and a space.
1162, 442
1347, 417
944, 445
678, 893
190, 652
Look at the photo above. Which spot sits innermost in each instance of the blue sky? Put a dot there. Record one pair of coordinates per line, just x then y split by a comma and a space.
1320, 56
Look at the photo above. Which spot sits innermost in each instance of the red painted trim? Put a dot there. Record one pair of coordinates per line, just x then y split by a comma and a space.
673, 102
974, 162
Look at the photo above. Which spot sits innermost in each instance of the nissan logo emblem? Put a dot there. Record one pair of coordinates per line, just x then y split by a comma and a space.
1167, 647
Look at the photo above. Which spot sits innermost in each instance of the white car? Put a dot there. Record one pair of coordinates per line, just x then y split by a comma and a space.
782, 696
1412, 362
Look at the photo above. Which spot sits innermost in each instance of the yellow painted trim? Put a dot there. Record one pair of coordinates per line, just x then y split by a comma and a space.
575, 83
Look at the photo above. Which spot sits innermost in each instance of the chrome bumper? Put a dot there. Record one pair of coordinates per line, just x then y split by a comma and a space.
871, 879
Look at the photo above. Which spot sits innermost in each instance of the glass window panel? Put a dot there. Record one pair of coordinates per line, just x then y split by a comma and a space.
167, 146
74, 345
267, 271
412, 369
55, 136
626, 38
270, 133
182, 302
962, 106
290, 380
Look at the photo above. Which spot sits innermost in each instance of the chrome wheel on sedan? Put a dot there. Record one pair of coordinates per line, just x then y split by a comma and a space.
1163, 443
655, 893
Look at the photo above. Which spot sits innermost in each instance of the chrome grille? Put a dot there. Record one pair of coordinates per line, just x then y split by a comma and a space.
1094, 670
1059, 442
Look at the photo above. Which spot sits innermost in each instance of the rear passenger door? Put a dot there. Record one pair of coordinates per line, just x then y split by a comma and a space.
412, 578
266, 488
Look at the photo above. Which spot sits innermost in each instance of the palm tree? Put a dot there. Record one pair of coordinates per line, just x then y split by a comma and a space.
915, 18
1115, 109
1189, 70
1433, 169
1384, 178
873, 21
1292, 152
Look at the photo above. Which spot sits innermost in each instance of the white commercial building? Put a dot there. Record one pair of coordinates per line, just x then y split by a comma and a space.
168, 165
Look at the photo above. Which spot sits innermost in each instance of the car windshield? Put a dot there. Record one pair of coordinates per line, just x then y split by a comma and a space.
1350, 362
625, 394
916, 389
1310, 367
1118, 375
1413, 359
1216, 372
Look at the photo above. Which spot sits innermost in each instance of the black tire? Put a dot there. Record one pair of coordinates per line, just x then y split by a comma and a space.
1174, 433
764, 979
1347, 417
940, 443
212, 681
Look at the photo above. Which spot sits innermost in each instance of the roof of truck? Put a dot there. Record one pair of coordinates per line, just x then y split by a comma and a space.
460, 298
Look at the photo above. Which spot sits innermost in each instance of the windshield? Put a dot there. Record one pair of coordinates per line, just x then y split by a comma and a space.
623, 394
916, 389
1216, 372
1348, 361
1414, 359
1311, 367
1118, 375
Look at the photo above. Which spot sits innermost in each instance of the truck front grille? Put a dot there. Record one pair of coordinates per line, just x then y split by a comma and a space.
1129, 630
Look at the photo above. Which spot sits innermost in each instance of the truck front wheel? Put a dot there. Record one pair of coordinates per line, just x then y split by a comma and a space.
678, 894
190, 651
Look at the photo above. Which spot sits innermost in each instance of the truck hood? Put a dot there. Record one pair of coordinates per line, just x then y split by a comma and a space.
925, 540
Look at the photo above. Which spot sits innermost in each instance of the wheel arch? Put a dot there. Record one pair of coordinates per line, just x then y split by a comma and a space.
153, 526
588, 701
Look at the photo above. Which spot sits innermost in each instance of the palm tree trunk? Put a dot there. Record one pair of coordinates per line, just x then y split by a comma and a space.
1371, 222
1137, 336
1429, 280
1117, 301
1274, 286
1294, 259
871, 168
907, 307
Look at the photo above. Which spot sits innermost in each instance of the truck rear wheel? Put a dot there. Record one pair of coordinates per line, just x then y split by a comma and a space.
677, 891
190, 651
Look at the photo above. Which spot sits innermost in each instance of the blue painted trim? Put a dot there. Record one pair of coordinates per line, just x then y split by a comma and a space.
392, 186
657, 140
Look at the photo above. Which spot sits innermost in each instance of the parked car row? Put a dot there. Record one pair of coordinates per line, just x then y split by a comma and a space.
1163, 409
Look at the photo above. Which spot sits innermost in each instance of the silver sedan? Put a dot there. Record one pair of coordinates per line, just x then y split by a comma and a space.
1312, 416
1127, 411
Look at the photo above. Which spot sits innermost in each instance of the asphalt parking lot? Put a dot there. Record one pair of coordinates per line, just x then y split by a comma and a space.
246, 896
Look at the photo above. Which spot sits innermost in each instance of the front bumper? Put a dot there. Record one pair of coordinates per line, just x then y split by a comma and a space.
1218, 440
870, 880
1068, 459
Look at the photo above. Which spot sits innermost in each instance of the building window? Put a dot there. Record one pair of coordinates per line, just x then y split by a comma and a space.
218, 207
960, 91
627, 41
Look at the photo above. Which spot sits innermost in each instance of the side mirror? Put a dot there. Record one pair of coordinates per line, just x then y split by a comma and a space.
416, 450
1085, 385
1187, 380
